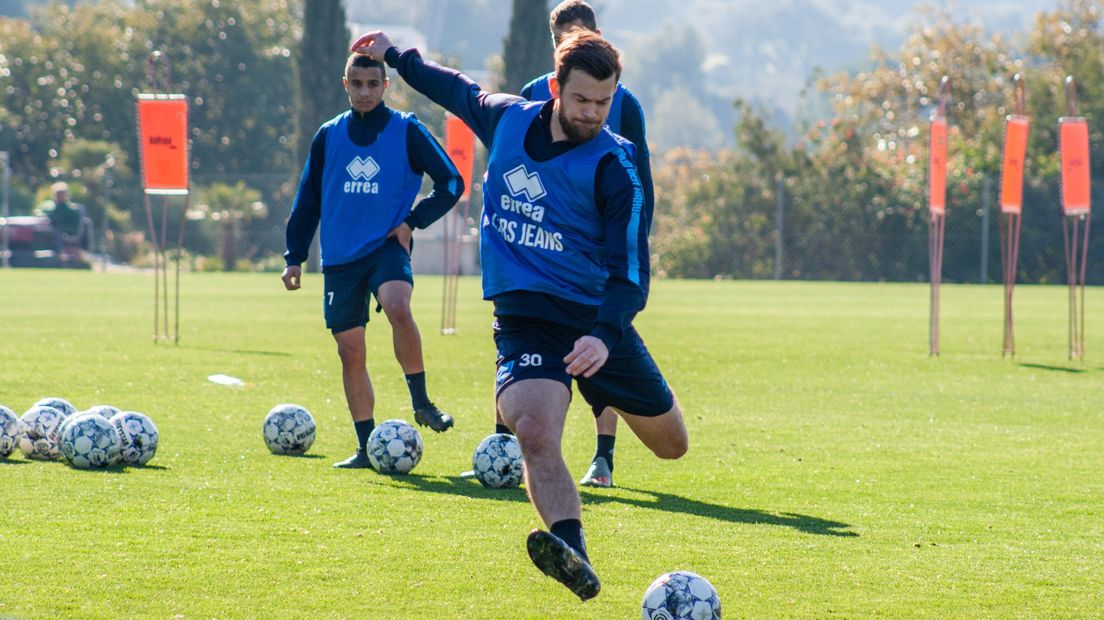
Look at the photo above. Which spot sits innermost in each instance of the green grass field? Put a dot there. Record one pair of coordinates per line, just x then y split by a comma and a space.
835, 469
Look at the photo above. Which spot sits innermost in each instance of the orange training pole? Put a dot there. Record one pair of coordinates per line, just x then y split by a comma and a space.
937, 208
1016, 127
1073, 143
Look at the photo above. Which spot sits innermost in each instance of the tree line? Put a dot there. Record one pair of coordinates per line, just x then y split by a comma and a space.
853, 189
261, 76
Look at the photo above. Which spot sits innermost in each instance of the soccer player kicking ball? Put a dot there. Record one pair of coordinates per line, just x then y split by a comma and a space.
626, 119
564, 256
362, 175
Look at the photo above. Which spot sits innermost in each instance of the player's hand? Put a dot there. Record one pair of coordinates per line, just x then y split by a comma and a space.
402, 233
292, 276
372, 44
588, 356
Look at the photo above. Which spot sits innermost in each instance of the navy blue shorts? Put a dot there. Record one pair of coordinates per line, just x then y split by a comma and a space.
629, 381
347, 287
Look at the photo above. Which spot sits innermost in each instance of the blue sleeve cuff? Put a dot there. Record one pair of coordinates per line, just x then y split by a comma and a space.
609, 335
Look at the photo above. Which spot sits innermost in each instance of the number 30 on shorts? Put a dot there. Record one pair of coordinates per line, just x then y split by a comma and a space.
530, 359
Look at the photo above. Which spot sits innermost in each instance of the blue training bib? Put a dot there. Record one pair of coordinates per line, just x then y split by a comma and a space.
540, 227
366, 190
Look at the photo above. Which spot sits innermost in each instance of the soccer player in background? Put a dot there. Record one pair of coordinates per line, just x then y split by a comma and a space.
626, 119
564, 253
362, 175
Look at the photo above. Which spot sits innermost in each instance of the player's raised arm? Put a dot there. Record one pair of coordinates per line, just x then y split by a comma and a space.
446, 87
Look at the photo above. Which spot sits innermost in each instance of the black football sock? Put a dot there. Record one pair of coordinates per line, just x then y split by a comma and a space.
503, 429
571, 532
605, 449
364, 430
416, 384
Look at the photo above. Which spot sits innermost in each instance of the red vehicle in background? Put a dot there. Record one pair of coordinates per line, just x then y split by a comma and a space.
33, 242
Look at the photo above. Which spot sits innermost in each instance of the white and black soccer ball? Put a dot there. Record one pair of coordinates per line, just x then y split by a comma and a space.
90, 442
97, 410
289, 429
394, 447
39, 428
9, 432
497, 461
681, 595
137, 437
60, 404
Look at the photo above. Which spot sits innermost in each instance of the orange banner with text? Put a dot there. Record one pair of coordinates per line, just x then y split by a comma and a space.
937, 166
1012, 168
163, 143
460, 144
1073, 142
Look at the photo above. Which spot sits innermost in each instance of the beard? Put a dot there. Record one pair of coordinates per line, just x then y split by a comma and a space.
577, 133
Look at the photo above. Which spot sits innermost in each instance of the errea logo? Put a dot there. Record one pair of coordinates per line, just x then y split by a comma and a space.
521, 181
362, 170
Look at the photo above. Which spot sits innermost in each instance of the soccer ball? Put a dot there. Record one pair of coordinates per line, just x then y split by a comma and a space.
40, 433
680, 595
107, 411
137, 437
289, 429
60, 404
394, 447
97, 410
90, 442
497, 461
9, 432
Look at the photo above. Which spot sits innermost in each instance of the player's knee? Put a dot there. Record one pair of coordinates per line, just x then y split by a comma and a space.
535, 439
398, 311
351, 353
674, 448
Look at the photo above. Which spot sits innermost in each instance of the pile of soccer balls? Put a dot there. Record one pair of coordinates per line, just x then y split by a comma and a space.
101, 436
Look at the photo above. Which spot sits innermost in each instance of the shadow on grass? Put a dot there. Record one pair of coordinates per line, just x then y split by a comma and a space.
666, 502
1054, 368
6, 461
676, 503
302, 456
241, 351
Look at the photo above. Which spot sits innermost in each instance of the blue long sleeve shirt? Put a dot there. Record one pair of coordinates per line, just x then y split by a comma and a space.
424, 154
616, 183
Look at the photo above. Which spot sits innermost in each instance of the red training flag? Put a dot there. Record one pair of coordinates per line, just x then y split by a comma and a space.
937, 166
1012, 168
460, 144
1073, 142
163, 142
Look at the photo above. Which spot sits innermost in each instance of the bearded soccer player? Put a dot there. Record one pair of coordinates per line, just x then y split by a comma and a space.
564, 254
362, 175
626, 119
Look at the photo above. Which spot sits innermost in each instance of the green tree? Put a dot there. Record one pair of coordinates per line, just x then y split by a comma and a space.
320, 60
527, 50
228, 206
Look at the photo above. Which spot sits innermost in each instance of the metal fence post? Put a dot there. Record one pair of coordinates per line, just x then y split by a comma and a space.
5, 210
780, 197
986, 189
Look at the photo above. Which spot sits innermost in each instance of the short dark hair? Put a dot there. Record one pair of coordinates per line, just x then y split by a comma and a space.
589, 52
572, 10
357, 59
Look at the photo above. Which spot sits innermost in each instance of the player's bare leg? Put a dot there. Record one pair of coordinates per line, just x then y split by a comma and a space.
536, 410
600, 473
358, 387
394, 298
664, 434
